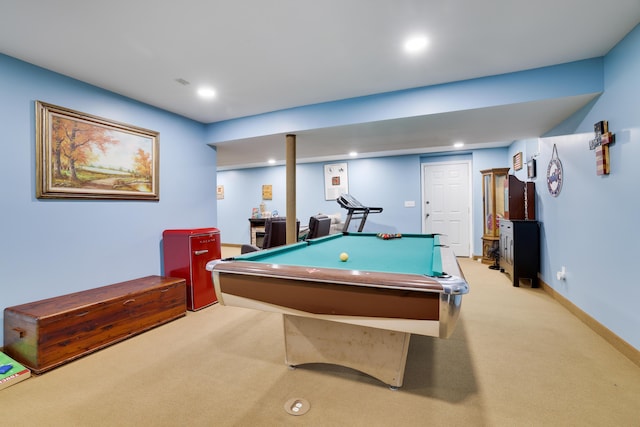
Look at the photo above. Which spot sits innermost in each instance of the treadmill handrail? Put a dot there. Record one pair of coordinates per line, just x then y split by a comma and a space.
352, 205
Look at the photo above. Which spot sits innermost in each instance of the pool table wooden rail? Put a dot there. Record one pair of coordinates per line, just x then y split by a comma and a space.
409, 282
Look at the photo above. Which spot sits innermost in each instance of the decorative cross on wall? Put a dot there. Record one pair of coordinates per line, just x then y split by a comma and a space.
601, 145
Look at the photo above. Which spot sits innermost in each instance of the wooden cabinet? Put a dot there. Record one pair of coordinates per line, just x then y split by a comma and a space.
44, 334
520, 199
493, 202
520, 250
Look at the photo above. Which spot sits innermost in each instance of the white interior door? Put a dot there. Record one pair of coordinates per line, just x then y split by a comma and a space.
446, 207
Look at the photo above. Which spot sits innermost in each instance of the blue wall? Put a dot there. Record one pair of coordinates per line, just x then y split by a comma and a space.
387, 182
53, 247
591, 228
369, 181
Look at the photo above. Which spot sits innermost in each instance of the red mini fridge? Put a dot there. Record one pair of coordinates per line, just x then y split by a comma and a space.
186, 254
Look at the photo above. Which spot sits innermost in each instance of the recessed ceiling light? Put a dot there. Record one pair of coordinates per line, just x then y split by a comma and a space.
415, 44
206, 92
353, 153
271, 161
458, 144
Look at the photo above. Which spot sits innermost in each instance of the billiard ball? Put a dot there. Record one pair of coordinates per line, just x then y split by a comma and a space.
344, 256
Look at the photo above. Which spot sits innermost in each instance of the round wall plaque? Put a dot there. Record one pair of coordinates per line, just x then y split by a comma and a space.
555, 176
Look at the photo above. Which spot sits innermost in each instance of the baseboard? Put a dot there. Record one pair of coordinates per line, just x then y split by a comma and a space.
618, 343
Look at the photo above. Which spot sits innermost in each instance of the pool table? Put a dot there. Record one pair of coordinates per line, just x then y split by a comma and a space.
358, 313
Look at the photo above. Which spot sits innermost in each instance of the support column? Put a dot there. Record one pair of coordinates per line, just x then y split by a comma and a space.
292, 235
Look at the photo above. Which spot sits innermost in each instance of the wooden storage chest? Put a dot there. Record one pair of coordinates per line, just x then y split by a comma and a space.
45, 334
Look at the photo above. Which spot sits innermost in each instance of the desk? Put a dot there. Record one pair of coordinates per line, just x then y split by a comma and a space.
256, 231
359, 313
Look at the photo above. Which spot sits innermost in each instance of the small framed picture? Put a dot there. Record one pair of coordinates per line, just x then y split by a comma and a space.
336, 180
267, 192
517, 161
531, 168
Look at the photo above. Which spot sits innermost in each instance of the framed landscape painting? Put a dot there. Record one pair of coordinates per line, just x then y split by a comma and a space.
81, 156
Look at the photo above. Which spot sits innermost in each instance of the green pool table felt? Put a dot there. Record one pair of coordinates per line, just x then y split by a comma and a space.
410, 254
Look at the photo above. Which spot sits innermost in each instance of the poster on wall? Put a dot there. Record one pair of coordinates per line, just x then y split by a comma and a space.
336, 180
267, 192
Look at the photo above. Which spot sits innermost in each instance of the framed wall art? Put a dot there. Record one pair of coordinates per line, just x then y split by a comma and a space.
80, 156
336, 180
531, 168
517, 161
267, 192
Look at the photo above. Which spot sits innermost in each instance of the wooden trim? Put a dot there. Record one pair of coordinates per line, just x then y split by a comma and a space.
333, 299
618, 343
231, 245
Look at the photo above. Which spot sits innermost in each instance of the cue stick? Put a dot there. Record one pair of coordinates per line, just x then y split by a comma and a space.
292, 235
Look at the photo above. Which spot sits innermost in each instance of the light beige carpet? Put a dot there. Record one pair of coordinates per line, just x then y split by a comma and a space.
517, 358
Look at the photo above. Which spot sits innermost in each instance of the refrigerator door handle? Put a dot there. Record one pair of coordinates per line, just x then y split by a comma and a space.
200, 252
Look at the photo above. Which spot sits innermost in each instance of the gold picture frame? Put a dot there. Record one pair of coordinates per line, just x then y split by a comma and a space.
81, 156
517, 161
267, 192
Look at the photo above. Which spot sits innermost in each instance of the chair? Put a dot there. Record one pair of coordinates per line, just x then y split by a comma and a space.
319, 226
275, 234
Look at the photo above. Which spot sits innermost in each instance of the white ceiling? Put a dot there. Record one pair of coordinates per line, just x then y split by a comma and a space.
263, 56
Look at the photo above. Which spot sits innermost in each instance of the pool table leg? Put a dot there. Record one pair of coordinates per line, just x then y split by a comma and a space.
376, 352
